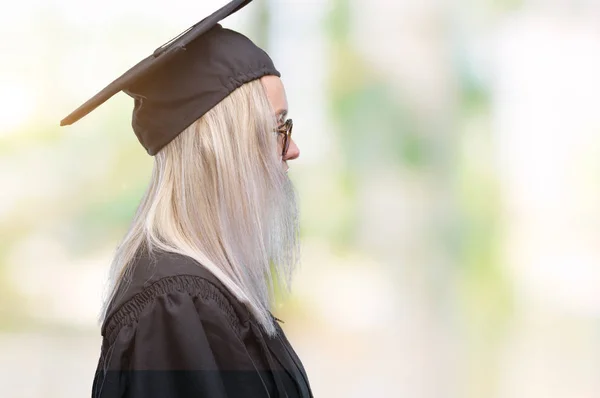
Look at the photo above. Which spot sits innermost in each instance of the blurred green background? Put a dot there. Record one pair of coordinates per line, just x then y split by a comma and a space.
448, 184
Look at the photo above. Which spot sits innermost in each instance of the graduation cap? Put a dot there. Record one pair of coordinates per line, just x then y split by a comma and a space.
184, 78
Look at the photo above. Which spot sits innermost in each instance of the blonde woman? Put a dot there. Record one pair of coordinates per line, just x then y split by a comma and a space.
191, 287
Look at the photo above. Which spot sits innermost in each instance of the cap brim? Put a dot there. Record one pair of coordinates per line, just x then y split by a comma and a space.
150, 63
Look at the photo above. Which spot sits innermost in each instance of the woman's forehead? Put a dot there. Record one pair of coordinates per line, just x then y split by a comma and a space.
275, 92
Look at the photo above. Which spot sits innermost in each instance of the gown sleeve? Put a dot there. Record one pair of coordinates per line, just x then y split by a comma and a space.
179, 345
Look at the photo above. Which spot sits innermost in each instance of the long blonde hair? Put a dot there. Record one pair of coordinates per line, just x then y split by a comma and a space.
215, 195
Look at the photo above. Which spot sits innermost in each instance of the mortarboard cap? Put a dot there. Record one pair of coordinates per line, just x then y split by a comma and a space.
184, 78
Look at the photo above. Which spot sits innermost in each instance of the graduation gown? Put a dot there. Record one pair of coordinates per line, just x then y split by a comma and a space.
175, 331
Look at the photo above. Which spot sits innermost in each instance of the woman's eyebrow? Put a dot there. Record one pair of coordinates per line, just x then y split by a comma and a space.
281, 114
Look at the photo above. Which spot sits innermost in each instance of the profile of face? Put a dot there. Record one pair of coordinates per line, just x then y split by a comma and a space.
278, 100
283, 232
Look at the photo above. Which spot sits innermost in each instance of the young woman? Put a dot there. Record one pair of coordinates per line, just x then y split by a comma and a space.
191, 284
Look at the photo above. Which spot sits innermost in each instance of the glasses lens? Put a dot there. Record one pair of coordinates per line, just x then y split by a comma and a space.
286, 142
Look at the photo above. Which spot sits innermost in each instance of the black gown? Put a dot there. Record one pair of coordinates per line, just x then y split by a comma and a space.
175, 331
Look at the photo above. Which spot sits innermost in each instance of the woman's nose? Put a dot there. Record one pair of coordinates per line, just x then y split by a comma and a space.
293, 152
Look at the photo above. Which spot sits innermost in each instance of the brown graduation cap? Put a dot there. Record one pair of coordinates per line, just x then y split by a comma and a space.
184, 78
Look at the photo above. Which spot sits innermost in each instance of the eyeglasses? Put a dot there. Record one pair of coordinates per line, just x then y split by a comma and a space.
286, 130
